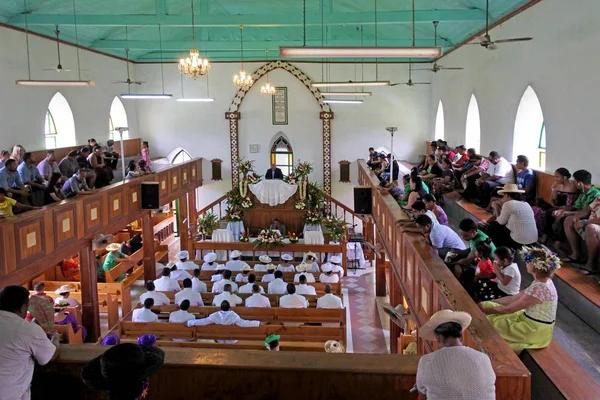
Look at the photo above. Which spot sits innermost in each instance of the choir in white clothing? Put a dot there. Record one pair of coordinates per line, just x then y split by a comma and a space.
265, 262
182, 315
301, 269
184, 263
165, 283
336, 263
197, 284
218, 286
329, 300
247, 288
303, 288
195, 298
235, 264
233, 299
144, 314
277, 286
286, 265
292, 300
224, 317
209, 262
243, 276
258, 300
328, 276
160, 299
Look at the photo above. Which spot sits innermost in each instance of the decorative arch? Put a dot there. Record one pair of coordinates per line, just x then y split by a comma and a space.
178, 155
439, 122
473, 128
117, 119
234, 116
530, 131
59, 126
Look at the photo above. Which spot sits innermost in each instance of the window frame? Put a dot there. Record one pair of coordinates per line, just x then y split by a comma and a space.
290, 155
49, 133
185, 153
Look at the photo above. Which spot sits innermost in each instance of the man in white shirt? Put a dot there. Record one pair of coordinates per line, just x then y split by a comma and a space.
292, 300
499, 173
160, 299
235, 264
182, 315
184, 263
303, 288
223, 317
328, 276
22, 344
197, 284
63, 293
219, 285
268, 277
257, 299
247, 288
277, 286
209, 262
227, 296
286, 265
194, 297
302, 272
442, 237
329, 300
145, 314
265, 260
336, 264
165, 283
218, 275
242, 277
178, 274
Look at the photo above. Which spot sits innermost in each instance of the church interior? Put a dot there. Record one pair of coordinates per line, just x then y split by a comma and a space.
318, 198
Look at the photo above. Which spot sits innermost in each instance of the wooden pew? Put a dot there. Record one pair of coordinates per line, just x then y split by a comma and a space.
287, 276
336, 288
240, 345
68, 335
207, 298
123, 267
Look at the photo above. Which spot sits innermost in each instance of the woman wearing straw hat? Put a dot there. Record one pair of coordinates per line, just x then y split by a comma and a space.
454, 371
515, 225
63, 293
113, 258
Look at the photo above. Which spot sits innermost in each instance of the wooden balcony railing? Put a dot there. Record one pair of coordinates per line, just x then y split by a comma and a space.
421, 278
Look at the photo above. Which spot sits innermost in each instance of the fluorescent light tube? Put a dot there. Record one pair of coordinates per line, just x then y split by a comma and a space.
145, 96
54, 83
360, 52
359, 94
332, 101
350, 84
196, 100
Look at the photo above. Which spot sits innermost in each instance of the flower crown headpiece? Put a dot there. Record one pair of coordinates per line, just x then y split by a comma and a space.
542, 259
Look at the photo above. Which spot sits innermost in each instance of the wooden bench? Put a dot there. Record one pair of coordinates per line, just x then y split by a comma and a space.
287, 276
123, 267
208, 298
336, 288
68, 335
240, 345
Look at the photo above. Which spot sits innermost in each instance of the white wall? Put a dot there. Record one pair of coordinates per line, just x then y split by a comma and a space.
201, 128
23, 109
561, 64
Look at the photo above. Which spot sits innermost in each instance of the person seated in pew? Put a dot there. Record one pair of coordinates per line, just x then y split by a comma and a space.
526, 320
242, 277
463, 263
303, 288
184, 263
286, 264
265, 261
508, 276
584, 226
499, 173
447, 181
41, 307
219, 286
227, 295
310, 261
439, 212
224, 317
145, 314
197, 284
336, 265
7, 204
218, 275
463, 156
276, 225
301, 269
235, 264
77, 185
247, 288
418, 209
189, 294
269, 276
209, 262
292, 299
132, 245
160, 299
277, 286
257, 299
272, 342
329, 300
328, 276
165, 283
63, 317
114, 258
439, 236
178, 274
182, 315
63, 293
417, 191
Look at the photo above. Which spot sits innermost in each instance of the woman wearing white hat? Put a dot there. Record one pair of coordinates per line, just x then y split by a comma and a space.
242, 277
286, 264
264, 261
269, 276
302, 270
310, 259
453, 371
336, 264
63, 293
184, 263
328, 276
235, 264
515, 226
209, 262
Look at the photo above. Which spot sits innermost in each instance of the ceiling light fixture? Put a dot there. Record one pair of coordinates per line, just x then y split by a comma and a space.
194, 66
206, 99
360, 52
146, 96
356, 94
32, 82
242, 80
350, 84
332, 101
267, 89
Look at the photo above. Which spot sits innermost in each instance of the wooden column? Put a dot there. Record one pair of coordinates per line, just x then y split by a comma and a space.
192, 217
149, 252
89, 293
182, 219
395, 299
380, 265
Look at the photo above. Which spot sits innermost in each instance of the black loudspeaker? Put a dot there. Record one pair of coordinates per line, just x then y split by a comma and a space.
363, 200
150, 195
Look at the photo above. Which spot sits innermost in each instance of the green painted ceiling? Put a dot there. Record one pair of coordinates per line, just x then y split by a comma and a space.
267, 24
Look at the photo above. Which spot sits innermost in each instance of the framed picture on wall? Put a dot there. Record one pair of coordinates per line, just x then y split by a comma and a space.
280, 106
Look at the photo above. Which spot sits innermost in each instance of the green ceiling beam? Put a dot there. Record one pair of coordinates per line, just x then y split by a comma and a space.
262, 20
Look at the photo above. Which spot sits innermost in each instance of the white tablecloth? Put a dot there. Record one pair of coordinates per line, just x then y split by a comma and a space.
312, 228
355, 253
273, 191
237, 228
314, 237
222, 235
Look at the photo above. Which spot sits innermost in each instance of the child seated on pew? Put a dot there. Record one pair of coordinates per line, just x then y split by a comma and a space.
484, 273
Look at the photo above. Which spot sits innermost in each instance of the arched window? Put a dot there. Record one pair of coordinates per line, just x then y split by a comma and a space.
59, 125
439, 122
473, 128
117, 119
181, 157
282, 155
530, 130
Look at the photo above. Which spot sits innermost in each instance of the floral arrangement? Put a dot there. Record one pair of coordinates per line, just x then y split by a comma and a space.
541, 259
336, 227
206, 224
244, 238
292, 178
269, 238
293, 238
237, 201
254, 178
299, 204
303, 169
312, 218
245, 166
233, 214
247, 203
314, 196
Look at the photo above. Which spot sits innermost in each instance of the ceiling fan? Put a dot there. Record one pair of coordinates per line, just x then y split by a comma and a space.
129, 82
59, 67
486, 40
436, 67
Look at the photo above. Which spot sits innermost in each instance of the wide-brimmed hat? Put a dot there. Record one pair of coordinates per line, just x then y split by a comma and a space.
171, 264
327, 267
246, 267
335, 259
287, 257
210, 257
183, 254
113, 247
301, 268
270, 267
311, 254
441, 317
64, 289
61, 304
235, 254
510, 188
220, 267
264, 259
123, 366
333, 346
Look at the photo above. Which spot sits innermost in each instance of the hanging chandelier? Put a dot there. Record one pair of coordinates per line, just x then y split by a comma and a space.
194, 66
267, 89
242, 80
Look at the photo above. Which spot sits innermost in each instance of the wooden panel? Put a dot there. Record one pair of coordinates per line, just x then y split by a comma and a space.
116, 204
132, 147
30, 240
164, 184
175, 178
216, 169
134, 197
185, 174
544, 182
65, 225
93, 210
262, 215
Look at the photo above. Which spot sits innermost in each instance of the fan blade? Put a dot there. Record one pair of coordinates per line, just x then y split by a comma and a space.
398, 84
523, 39
492, 47
452, 68
421, 83
422, 69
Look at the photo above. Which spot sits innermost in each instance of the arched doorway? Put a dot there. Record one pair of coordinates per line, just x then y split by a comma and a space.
530, 130
117, 119
473, 128
59, 124
439, 122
